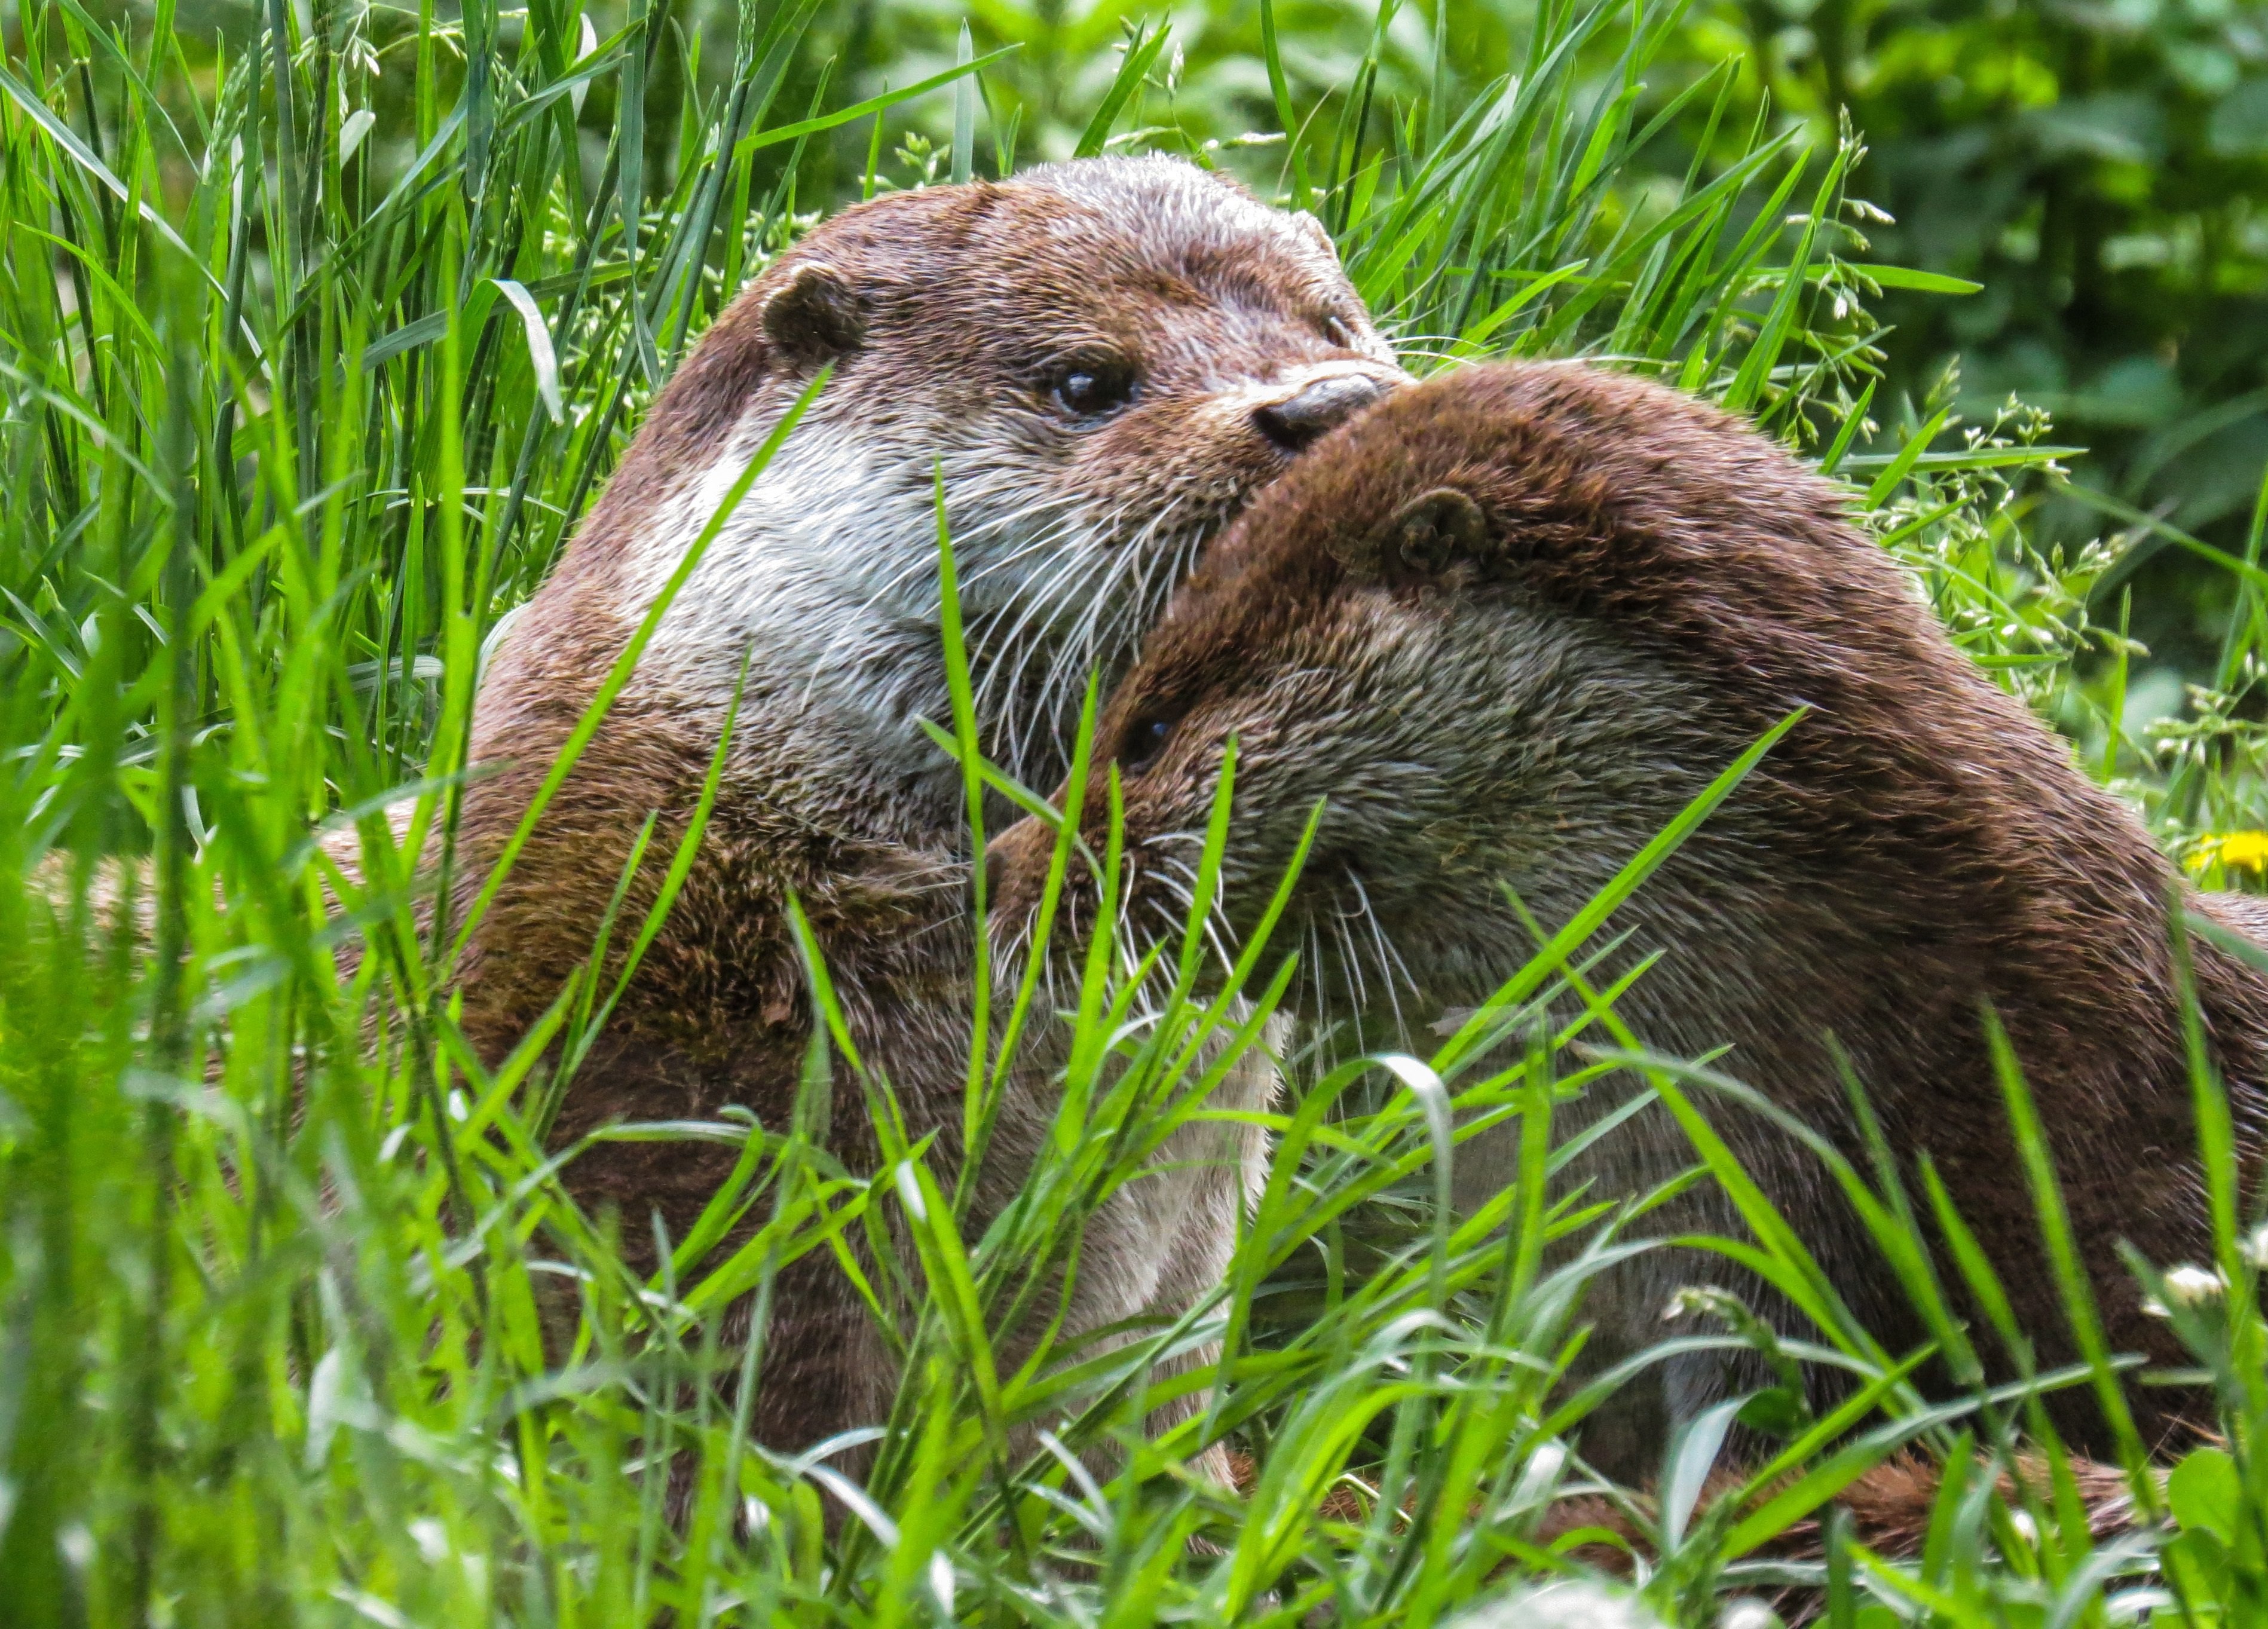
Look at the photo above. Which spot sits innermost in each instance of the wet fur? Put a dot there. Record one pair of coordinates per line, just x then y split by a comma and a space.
1654, 587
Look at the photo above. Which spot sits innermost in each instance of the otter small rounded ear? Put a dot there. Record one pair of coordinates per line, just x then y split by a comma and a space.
1433, 531
1316, 229
815, 315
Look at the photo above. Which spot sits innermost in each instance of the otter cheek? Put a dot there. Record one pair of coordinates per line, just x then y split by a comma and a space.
1223, 433
1169, 467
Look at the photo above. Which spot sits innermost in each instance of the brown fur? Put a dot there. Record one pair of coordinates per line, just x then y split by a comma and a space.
945, 313
1650, 587
1889, 1508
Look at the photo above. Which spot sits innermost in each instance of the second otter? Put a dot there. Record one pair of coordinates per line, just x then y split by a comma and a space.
1504, 628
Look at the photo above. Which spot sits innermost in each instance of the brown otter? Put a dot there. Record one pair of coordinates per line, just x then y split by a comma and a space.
1503, 628
1098, 362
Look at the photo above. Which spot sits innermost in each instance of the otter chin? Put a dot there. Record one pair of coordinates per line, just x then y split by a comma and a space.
1503, 628
1094, 365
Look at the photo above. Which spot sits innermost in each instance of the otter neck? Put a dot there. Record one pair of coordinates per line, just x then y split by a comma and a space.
825, 582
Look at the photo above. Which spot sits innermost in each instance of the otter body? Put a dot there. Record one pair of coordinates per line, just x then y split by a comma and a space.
1506, 626
1098, 362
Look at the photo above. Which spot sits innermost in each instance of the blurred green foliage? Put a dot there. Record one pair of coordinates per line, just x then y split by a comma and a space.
2101, 170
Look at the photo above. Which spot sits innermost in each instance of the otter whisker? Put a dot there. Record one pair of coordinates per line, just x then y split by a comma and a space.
1039, 542
1036, 523
1170, 872
1388, 964
1061, 689
1153, 556
1214, 926
1178, 866
1031, 603
1026, 638
1213, 922
1344, 930
1170, 565
1057, 519
1177, 900
1109, 616
1078, 644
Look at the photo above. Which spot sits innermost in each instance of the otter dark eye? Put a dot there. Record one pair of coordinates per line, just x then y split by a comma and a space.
1088, 390
1144, 740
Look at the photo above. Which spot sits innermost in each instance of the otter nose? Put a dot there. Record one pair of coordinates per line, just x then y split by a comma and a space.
1297, 420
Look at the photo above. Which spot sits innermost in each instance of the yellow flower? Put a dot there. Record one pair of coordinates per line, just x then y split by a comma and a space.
2245, 850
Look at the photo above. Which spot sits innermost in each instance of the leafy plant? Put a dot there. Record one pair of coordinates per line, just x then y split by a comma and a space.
2097, 172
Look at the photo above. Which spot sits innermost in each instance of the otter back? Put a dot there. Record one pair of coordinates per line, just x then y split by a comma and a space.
1504, 628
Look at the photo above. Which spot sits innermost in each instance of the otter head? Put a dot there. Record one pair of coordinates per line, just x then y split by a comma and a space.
1492, 637
1100, 361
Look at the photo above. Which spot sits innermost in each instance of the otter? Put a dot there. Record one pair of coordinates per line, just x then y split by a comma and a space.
1095, 364
1502, 627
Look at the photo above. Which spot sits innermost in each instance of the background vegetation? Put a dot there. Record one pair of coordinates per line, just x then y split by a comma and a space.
318, 326
2099, 170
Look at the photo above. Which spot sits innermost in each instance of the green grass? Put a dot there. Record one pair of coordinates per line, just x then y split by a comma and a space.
287, 430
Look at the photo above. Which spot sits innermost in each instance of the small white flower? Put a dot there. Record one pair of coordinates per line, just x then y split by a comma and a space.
2186, 1286
1748, 1612
431, 1537
2027, 1530
2193, 1286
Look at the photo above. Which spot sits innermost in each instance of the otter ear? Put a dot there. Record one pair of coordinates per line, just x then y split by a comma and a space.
1431, 533
815, 315
1316, 229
